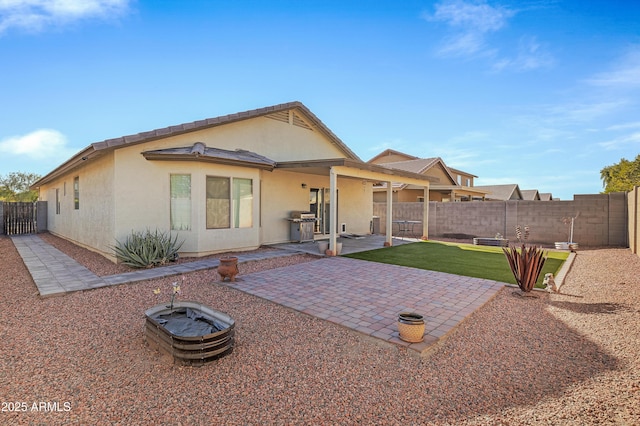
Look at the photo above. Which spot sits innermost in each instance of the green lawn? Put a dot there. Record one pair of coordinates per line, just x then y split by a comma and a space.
460, 259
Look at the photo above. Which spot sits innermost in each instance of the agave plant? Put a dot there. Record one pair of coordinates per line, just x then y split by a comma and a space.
526, 264
147, 249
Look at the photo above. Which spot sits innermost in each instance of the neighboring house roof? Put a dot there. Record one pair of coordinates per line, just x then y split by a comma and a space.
200, 152
461, 172
302, 114
530, 194
501, 192
546, 196
415, 164
390, 153
421, 166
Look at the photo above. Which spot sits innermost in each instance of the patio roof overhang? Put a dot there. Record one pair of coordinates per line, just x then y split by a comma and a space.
356, 169
366, 171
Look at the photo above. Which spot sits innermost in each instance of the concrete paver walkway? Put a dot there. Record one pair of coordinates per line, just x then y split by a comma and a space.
364, 296
55, 273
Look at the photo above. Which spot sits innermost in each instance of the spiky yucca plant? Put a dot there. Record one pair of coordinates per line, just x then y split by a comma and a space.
147, 249
526, 264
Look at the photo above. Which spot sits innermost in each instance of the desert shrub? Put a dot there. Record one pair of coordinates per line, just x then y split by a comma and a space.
147, 249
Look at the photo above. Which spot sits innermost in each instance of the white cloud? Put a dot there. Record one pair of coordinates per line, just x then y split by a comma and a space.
42, 144
466, 44
36, 15
622, 141
633, 125
625, 74
471, 22
471, 16
530, 56
584, 112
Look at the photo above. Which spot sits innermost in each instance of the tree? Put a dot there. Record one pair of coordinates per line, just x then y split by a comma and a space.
622, 176
15, 187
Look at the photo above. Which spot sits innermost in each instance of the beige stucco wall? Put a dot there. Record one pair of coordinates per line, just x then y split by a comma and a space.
439, 173
274, 139
354, 206
92, 224
143, 201
282, 192
271, 138
121, 191
406, 196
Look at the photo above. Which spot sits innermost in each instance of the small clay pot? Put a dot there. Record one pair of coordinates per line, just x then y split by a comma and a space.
228, 268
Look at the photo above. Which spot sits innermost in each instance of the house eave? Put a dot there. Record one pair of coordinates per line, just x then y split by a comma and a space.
68, 166
326, 165
100, 148
205, 159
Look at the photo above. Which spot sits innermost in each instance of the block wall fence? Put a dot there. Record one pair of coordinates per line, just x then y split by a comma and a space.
603, 220
634, 220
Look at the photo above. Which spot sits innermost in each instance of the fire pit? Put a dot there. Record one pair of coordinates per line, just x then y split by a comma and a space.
191, 333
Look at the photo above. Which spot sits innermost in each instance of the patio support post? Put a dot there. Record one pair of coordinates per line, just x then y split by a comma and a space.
333, 210
389, 235
425, 214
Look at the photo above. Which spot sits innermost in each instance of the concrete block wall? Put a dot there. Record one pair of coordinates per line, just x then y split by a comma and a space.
634, 220
601, 219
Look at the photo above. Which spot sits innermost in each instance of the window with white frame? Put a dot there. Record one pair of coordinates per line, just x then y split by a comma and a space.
242, 203
180, 202
229, 202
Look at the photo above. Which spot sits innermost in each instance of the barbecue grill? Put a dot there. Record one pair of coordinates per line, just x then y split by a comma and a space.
301, 226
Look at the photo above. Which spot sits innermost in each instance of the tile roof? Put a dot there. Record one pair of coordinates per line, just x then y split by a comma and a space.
420, 166
530, 194
98, 148
389, 152
501, 192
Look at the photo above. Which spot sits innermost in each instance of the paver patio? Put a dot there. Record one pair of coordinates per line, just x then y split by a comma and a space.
368, 296
361, 295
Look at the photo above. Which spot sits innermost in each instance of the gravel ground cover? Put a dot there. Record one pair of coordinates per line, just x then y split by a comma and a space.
101, 266
557, 359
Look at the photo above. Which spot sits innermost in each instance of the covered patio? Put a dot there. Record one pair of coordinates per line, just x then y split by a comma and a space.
367, 173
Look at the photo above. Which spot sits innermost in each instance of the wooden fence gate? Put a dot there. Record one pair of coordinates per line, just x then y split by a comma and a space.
19, 218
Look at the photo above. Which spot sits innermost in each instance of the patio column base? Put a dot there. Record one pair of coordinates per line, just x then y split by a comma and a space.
387, 244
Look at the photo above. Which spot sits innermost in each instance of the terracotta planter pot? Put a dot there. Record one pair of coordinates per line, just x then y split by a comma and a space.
228, 268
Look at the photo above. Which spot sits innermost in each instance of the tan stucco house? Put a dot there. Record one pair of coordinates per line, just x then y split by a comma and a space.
448, 184
220, 184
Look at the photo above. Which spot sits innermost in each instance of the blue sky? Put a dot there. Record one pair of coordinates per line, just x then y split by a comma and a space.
539, 93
